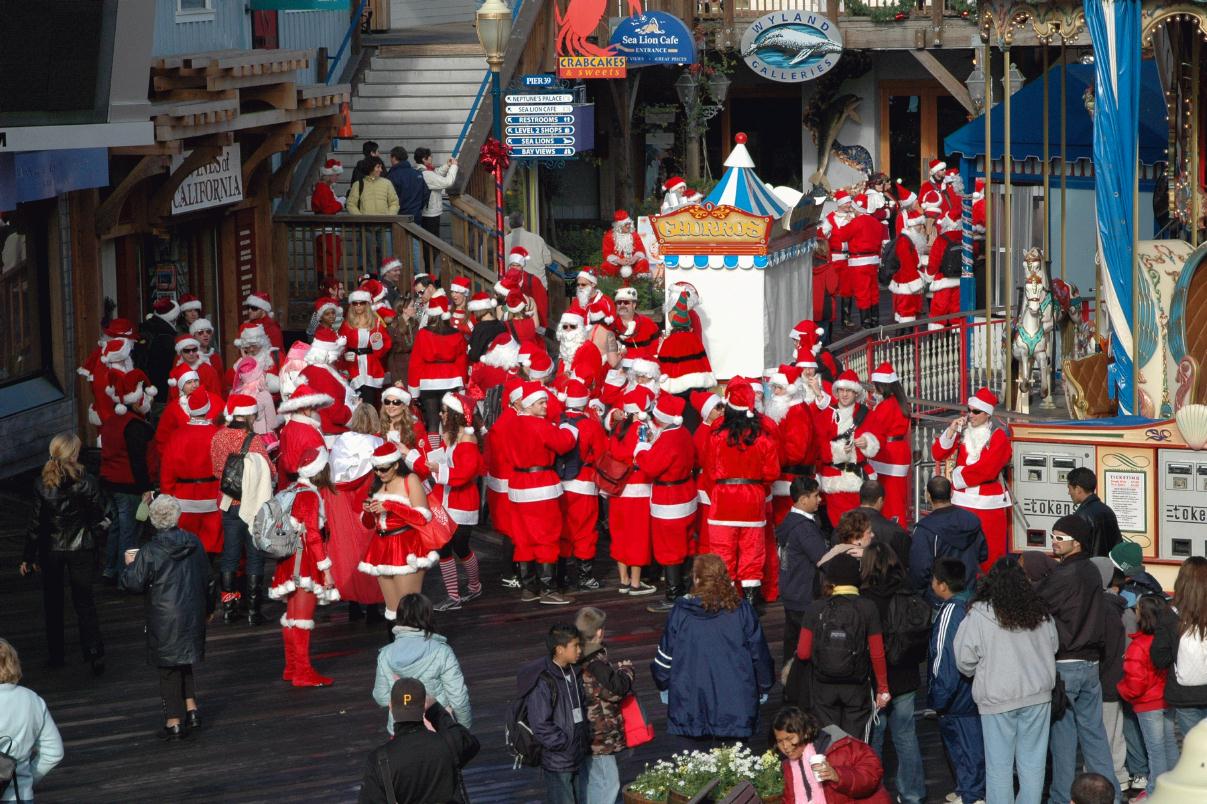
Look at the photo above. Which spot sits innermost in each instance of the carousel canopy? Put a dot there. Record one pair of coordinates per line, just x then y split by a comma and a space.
740, 187
1027, 136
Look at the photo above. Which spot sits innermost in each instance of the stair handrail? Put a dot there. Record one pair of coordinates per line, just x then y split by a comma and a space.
353, 24
883, 332
473, 110
482, 217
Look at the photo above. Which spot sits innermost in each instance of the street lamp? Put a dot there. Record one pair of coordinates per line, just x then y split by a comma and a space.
689, 90
493, 22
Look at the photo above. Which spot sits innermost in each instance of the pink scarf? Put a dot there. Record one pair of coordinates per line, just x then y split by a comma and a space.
800, 775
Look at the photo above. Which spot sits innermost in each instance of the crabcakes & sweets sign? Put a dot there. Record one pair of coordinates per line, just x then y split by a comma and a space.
791, 46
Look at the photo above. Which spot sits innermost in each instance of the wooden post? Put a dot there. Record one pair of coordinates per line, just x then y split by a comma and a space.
1007, 225
1047, 214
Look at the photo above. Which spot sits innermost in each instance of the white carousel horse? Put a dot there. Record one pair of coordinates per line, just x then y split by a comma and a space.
1032, 345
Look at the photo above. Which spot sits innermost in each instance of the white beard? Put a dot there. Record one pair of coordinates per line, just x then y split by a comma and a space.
623, 242
957, 184
503, 357
319, 357
778, 405
583, 297
569, 341
844, 416
975, 441
917, 236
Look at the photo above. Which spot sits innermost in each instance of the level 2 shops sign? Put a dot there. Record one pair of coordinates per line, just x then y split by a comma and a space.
653, 38
220, 182
791, 46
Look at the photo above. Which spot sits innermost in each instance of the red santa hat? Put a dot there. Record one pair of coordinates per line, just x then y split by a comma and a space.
587, 273
458, 403
517, 256
166, 308
189, 302
806, 329
120, 328
313, 461
438, 306
305, 398
516, 302
241, 405
602, 309
459, 285
480, 302
674, 184
978, 189
574, 318
861, 202
186, 342
983, 400
187, 376
937, 166
951, 175
905, 196
806, 355
785, 376
637, 402
512, 279
386, 454
514, 388
389, 264
377, 291
532, 392
849, 381
363, 294
842, 198
705, 402
398, 393
117, 350
626, 294
260, 301
621, 216
326, 341
251, 334
324, 303
576, 396
539, 364
130, 390
197, 404
200, 325
645, 368
885, 373
739, 396
684, 362
948, 224
332, 167
669, 409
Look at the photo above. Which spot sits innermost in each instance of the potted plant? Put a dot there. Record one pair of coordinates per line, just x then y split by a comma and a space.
651, 785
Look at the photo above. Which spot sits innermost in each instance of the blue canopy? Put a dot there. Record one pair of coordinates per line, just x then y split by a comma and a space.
740, 187
1027, 136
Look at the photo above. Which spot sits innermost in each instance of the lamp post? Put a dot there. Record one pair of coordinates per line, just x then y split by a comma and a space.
493, 23
689, 89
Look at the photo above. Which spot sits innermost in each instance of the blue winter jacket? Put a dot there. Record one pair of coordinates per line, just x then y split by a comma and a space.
715, 666
410, 188
553, 694
948, 691
947, 532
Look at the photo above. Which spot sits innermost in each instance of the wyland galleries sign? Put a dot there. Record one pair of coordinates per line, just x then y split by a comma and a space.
791, 46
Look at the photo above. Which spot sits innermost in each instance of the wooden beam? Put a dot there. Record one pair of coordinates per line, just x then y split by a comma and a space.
154, 149
319, 135
161, 201
278, 139
110, 209
952, 84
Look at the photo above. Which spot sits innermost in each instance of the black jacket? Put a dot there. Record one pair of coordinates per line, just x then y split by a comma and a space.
411, 189
159, 338
1104, 527
945, 532
479, 340
564, 743
1073, 593
1167, 639
903, 677
1114, 642
173, 569
63, 519
886, 531
424, 766
801, 546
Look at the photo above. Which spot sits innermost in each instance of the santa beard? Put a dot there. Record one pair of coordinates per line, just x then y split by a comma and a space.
778, 405
917, 236
503, 357
622, 242
583, 296
975, 440
569, 341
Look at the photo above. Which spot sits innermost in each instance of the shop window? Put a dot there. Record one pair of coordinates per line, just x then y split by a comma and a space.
194, 10
24, 298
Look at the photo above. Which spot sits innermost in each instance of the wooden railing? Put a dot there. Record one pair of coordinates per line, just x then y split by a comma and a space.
347, 246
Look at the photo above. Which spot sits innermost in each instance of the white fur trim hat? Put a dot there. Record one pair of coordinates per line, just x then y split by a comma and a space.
532, 392
459, 285
313, 461
885, 373
189, 302
305, 398
186, 342
571, 317
626, 294
359, 295
849, 381
645, 368
397, 392
241, 405
983, 400
481, 302
333, 167
252, 334
200, 325
587, 274
327, 341
259, 300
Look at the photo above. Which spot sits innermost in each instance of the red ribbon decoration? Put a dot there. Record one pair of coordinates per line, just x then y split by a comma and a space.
494, 154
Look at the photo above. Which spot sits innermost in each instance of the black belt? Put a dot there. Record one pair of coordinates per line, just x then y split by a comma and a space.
799, 469
531, 470
641, 344
681, 358
894, 439
403, 529
849, 467
739, 481
362, 351
196, 479
671, 482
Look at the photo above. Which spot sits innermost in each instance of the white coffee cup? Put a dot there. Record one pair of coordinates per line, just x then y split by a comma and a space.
815, 761
131, 554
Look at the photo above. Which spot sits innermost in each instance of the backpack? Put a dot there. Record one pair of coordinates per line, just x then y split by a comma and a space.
568, 464
231, 482
840, 645
517, 733
8, 770
951, 265
906, 627
889, 263
274, 531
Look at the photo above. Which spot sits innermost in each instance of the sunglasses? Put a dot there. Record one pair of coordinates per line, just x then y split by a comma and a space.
975, 412
391, 402
568, 326
1061, 537
623, 302
359, 304
381, 470
190, 350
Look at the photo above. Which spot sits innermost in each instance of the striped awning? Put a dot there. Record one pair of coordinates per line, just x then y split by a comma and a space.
741, 188
686, 262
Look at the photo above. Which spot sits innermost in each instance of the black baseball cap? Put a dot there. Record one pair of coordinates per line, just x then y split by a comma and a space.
407, 698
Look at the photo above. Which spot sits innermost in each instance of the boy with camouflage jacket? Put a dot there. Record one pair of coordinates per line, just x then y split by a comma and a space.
606, 685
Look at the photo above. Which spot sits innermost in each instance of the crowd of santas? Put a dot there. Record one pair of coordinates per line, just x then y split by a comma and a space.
887, 234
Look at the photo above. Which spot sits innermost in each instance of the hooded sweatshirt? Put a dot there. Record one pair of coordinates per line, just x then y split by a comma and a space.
1110, 668
428, 659
947, 532
1009, 669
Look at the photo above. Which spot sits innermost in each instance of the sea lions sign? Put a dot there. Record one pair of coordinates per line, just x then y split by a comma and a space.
791, 46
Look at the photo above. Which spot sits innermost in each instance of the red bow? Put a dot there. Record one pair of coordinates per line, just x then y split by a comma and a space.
494, 154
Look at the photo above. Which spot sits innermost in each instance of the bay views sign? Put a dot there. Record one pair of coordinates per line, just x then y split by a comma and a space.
220, 182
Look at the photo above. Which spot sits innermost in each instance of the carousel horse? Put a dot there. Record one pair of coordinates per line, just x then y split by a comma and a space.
1073, 321
1032, 343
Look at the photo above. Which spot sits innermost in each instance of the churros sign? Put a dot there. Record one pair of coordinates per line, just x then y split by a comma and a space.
708, 229
591, 66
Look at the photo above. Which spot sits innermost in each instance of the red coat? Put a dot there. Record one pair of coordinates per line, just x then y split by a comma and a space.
323, 200
307, 511
532, 446
1143, 685
863, 237
325, 380
891, 428
908, 279
837, 451
639, 337
457, 478
185, 461
830, 227
859, 774
741, 504
365, 354
931, 199
794, 437
438, 362
977, 483
173, 417
298, 435
639, 260
670, 465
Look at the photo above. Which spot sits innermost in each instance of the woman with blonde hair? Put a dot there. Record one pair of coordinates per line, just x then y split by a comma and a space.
31, 736
67, 512
713, 665
368, 343
399, 423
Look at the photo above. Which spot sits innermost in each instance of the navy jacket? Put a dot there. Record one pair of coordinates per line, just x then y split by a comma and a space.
410, 187
948, 691
715, 665
801, 546
945, 532
564, 743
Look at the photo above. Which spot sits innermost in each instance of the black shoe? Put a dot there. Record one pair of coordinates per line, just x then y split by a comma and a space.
255, 598
172, 733
846, 305
356, 612
754, 597
674, 590
530, 588
98, 665
586, 576
375, 614
549, 595
192, 719
230, 598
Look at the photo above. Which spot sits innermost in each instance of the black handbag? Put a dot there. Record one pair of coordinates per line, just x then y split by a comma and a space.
232, 471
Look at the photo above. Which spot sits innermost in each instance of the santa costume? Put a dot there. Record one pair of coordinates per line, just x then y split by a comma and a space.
497, 450
459, 467
638, 335
931, 196
320, 375
302, 431
669, 462
301, 580
461, 318
629, 511
208, 354
530, 285
365, 347
261, 301
831, 280
185, 472
674, 192
681, 355
706, 404
794, 435
580, 496
944, 284
186, 346
175, 414
624, 252
93, 365
908, 283
323, 200
893, 462
978, 482
438, 362
907, 200
978, 218
253, 336
115, 360
843, 466
863, 238
499, 363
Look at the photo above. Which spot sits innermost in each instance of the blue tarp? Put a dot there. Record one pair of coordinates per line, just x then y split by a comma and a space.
1026, 110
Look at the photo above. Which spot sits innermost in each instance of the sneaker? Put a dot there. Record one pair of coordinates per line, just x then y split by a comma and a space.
624, 589
1141, 796
661, 607
1138, 783
511, 582
642, 588
952, 798
555, 599
448, 604
471, 595
587, 583
529, 596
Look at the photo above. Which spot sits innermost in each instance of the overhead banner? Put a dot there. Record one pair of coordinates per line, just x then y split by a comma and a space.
653, 38
791, 46
299, 5
220, 182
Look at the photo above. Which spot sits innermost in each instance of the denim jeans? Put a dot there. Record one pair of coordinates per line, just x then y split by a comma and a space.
561, 787
1016, 741
123, 532
599, 780
236, 537
910, 779
1187, 717
1137, 756
1159, 741
1112, 724
1081, 724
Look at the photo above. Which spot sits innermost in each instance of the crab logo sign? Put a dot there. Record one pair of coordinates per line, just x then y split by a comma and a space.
791, 46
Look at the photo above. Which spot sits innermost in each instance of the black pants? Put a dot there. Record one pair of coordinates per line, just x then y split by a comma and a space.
78, 568
459, 544
175, 687
429, 402
792, 621
430, 255
848, 706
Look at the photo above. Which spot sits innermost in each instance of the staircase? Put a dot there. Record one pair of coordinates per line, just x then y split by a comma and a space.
413, 96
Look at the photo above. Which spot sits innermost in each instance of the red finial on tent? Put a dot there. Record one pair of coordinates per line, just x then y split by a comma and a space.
740, 138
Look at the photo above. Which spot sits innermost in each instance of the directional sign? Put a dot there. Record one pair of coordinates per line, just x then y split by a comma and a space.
538, 80
543, 97
528, 141
524, 152
519, 131
539, 119
541, 124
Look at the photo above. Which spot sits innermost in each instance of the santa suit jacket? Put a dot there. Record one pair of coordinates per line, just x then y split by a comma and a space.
934, 262
830, 227
592, 442
613, 262
438, 362
891, 427
931, 199
498, 459
457, 476
839, 453
323, 200
740, 476
669, 463
700, 440
185, 472
863, 237
907, 281
210, 379
174, 417
298, 435
365, 354
326, 380
639, 337
795, 440
533, 445
977, 480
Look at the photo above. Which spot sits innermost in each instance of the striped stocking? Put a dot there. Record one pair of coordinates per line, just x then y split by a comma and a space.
448, 572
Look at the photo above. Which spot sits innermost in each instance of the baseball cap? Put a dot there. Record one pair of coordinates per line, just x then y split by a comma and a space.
407, 698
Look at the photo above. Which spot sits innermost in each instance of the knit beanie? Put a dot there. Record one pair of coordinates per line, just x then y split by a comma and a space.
679, 318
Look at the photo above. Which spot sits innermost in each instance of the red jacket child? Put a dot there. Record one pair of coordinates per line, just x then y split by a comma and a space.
1143, 685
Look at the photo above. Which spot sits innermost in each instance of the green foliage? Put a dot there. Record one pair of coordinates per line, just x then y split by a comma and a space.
582, 244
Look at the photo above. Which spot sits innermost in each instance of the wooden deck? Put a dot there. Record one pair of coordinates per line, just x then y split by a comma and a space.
264, 741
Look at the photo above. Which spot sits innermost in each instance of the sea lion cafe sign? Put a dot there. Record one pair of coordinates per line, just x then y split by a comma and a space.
791, 46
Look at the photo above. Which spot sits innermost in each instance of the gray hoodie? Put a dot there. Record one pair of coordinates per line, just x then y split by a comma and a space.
1010, 669
428, 659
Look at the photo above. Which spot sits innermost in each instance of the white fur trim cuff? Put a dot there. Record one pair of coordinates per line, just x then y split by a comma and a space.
305, 625
323, 565
702, 380
890, 377
835, 484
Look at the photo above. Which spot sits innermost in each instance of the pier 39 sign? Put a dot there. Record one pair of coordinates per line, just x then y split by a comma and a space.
791, 46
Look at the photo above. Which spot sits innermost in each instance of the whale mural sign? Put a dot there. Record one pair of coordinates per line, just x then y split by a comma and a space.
791, 46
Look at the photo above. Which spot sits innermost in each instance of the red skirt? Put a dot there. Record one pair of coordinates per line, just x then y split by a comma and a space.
401, 554
308, 578
350, 540
629, 524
